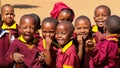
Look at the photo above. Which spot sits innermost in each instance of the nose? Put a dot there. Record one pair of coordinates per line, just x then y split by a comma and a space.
100, 17
82, 30
47, 34
28, 30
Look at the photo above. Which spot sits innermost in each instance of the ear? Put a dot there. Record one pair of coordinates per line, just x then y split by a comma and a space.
72, 36
19, 29
94, 18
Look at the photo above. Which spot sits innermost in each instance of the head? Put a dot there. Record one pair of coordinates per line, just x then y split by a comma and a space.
49, 25
27, 27
37, 19
101, 13
64, 32
7, 12
83, 26
113, 24
65, 15
62, 12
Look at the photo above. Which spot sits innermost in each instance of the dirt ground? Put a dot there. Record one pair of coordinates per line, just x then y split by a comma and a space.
43, 7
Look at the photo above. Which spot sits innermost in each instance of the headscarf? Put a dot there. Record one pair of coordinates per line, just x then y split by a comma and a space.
58, 7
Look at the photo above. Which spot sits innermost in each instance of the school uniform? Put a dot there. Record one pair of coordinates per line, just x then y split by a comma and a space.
4, 46
97, 35
105, 55
67, 57
30, 52
37, 35
53, 51
13, 29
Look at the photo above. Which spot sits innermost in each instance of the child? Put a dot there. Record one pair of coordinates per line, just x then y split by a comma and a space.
46, 44
62, 12
24, 48
4, 46
67, 56
100, 15
9, 24
105, 53
38, 26
83, 31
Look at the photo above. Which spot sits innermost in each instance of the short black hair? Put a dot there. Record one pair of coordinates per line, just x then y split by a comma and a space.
37, 19
71, 27
9, 5
50, 20
103, 6
113, 24
27, 16
83, 17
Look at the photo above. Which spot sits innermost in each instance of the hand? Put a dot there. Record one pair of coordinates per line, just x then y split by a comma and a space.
90, 45
80, 39
18, 57
41, 57
48, 43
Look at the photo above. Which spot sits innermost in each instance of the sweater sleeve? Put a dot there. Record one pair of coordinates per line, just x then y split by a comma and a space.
9, 56
105, 53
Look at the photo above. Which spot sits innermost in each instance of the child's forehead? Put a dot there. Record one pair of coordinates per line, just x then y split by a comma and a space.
26, 20
102, 8
48, 24
7, 7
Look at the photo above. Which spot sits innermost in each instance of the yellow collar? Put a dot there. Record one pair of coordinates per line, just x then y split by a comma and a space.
30, 46
23, 40
95, 28
44, 45
4, 26
67, 46
112, 37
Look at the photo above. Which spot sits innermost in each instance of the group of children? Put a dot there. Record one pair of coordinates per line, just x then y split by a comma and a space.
62, 45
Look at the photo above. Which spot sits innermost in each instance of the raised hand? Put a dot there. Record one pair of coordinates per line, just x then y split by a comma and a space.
18, 57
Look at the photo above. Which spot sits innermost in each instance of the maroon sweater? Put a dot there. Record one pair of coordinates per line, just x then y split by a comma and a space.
4, 46
30, 55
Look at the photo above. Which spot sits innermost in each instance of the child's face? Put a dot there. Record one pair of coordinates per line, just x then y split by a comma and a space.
63, 35
27, 29
82, 28
48, 30
8, 14
100, 16
64, 16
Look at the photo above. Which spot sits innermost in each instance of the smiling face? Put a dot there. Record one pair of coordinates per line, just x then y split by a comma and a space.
63, 34
27, 28
8, 15
100, 16
82, 27
64, 16
48, 29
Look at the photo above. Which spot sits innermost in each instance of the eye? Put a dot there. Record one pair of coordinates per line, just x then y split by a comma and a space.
51, 32
78, 28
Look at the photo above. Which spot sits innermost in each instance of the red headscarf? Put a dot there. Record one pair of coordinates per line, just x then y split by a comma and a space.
58, 7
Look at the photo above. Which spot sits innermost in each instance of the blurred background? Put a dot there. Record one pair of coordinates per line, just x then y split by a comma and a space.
43, 7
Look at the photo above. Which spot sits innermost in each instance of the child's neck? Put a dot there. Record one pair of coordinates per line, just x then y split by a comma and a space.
9, 24
101, 30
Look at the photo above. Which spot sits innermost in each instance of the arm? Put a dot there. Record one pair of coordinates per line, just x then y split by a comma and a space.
12, 55
104, 52
80, 46
47, 51
71, 59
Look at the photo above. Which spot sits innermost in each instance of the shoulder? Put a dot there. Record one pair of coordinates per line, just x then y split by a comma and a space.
71, 50
16, 41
